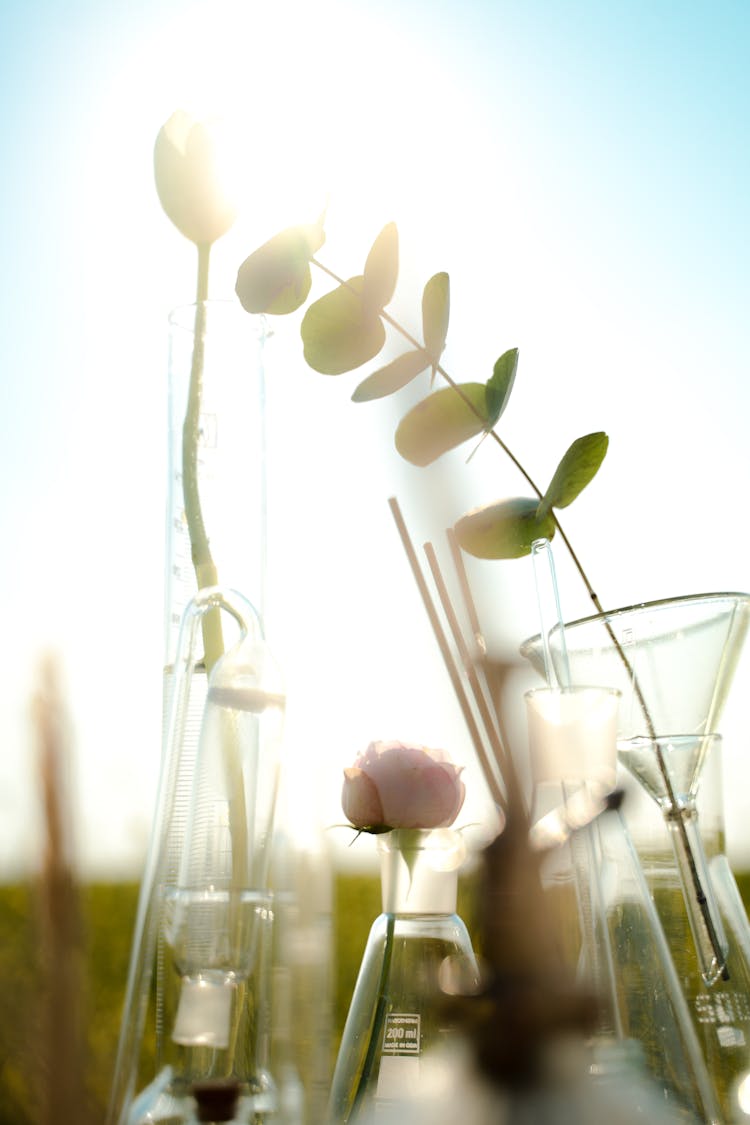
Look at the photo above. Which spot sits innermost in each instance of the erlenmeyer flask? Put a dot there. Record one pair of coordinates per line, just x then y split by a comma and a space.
418, 949
720, 1009
204, 912
674, 663
610, 931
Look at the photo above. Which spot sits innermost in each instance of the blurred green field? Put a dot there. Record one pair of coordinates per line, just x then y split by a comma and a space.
108, 912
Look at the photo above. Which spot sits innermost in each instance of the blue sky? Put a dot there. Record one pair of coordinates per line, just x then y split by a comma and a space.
581, 171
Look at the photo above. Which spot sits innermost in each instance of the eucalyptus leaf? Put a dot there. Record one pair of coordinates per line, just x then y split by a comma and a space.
338, 333
395, 375
500, 385
381, 269
443, 420
436, 300
276, 277
579, 465
503, 530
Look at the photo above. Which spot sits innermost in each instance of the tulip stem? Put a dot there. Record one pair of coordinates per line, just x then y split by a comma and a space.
205, 569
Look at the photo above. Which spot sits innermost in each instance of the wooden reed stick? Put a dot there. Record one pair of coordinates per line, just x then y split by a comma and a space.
450, 663
493, 674
502, 758
466, 594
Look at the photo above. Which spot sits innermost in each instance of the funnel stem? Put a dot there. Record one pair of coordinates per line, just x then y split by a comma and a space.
703, 916
689, 860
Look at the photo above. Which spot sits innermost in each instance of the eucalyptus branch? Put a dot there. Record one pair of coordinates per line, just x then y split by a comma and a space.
346, 328
492, 434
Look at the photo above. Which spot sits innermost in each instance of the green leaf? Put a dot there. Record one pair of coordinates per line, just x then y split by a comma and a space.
500, 385
381, 269
504, 530
276, 277
440, 422
395, 375
337, 331
436, 301
579, 465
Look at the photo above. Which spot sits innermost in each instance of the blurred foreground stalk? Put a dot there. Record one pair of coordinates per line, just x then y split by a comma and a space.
60, 996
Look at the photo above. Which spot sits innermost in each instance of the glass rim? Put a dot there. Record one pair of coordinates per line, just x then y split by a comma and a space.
182, 317
657, 603
641, 740
571, 689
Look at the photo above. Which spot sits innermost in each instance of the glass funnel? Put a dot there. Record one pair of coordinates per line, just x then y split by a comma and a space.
720, 1009
673, 662
680, 758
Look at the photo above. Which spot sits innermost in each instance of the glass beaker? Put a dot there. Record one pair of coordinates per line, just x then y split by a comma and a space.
418, 949
205, 914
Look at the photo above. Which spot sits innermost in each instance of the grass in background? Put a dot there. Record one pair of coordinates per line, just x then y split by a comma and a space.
108, 913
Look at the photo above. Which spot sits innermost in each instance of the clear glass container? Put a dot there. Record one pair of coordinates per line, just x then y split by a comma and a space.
417, 951
719, 1006
674, 662
609, 928
205, 913
231, 454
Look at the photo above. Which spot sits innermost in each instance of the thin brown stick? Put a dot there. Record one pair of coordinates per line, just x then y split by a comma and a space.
492, 686
450, 663
466, 594
501, 755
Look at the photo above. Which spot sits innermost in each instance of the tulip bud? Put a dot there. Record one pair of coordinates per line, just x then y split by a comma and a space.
189, 181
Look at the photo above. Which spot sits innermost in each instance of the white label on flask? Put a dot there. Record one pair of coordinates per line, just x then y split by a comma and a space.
401, 1036
730, 1036
398, 1079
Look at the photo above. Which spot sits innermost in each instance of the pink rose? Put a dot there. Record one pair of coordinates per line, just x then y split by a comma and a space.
393, 785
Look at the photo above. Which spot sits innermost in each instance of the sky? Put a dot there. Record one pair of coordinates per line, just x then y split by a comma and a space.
581, 172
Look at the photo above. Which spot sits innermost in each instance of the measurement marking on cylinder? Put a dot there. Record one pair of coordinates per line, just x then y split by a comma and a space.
726, 1008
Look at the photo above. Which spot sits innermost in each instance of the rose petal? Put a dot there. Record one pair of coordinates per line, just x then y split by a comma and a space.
416, 787
360, 800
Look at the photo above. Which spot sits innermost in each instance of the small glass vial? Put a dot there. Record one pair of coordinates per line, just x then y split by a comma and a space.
418, 951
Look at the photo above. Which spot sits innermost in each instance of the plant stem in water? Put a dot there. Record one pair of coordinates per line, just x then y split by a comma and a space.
378, 1024
200, 549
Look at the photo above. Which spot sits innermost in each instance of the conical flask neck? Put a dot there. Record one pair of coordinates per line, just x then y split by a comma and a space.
419, 870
